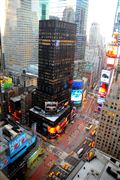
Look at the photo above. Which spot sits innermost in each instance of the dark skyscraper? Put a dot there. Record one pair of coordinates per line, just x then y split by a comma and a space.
55, 71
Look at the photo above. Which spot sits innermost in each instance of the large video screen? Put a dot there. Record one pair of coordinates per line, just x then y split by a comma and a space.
76, 95
77, 84
112, 51
100, 100
110, 61
103, 90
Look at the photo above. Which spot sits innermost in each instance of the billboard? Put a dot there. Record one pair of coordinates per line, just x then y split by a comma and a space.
103, 90
105, 76
110, 62
112, 51
76, 95
6, 83
51, 106
100, 100
17, 142
77, 84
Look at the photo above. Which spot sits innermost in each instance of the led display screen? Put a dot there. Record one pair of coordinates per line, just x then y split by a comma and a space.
6, 83
110, 61
112, 51
100, 100
51, 106
17, 142
105, 76
103, 90
76, 96
77, 84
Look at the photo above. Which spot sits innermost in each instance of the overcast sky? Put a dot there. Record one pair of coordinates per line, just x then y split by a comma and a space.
103, 12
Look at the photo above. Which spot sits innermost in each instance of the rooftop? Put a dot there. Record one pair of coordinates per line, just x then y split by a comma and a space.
8, 134
52, 118
16, 98
96, 168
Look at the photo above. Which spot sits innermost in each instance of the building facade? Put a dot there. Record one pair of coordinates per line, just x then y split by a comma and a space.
69, 15
44, 9
117, 29
0, 52
94, 35
20, 38
117, 19
55, 70
108, 134
81, 21
56, 59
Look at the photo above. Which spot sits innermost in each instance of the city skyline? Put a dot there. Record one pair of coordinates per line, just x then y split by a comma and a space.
94, 14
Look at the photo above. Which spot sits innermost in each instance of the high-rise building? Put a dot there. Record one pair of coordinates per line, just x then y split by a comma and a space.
57, 8
117, 29
68, 15
81, 21
44, 9
108, 134
55, 74
94, 35
117, 19
61, 5
20, 35
0, 51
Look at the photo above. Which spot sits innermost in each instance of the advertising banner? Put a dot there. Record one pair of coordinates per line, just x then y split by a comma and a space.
110, 62
76, 95
77, 84
51, 106
105, 76
112, 51
100, 100
17, 142
6, 83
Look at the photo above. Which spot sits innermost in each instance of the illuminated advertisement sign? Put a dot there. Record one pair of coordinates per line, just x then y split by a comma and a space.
6, 83
51, 106
76, 96
110, 61
17, 142
100, 100
77, 84
103, 90
105, 76
112, 51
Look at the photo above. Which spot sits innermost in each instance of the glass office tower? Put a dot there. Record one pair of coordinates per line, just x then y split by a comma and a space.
44, 9
117, 29
81, 21
117, 18
20, 35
